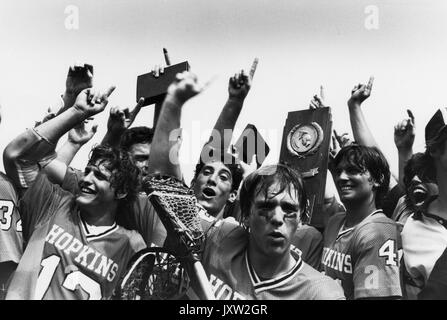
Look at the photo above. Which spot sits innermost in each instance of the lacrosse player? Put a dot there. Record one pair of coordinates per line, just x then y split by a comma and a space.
75, 248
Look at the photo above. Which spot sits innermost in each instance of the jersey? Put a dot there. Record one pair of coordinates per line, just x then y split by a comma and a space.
11, 240
232, 276
423, 242
309, 243
141, 216
65, 258
364, 258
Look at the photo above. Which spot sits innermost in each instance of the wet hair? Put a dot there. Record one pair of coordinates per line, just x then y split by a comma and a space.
362, 159
136, 135
260, 180
124, 174
228, 160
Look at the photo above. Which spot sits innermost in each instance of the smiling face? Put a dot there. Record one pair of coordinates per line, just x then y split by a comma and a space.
273, 220
213, 187
353, 184
95, 188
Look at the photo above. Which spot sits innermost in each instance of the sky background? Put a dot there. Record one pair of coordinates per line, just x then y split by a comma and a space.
300, 45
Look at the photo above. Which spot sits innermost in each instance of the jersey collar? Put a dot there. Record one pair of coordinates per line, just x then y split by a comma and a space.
263, 285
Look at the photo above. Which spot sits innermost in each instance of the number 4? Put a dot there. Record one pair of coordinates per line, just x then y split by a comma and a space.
387, 250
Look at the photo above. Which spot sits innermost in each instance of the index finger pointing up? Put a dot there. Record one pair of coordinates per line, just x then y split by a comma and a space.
253, 68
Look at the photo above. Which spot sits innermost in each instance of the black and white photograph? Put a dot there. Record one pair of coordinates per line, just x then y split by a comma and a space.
223, 150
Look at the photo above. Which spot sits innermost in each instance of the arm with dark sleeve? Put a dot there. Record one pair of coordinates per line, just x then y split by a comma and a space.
37, 204
310, 242
436, 286
376, 269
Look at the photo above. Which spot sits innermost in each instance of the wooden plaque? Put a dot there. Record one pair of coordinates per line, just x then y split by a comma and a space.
305, 147
153, 89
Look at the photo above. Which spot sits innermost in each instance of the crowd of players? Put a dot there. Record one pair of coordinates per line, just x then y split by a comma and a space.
70, 234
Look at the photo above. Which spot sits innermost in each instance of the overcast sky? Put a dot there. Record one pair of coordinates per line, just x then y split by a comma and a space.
300, 44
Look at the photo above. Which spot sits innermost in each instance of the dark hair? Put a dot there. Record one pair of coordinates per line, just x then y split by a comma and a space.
420, 164
136, 135
227, 159
124, 174
260, 180
370, 159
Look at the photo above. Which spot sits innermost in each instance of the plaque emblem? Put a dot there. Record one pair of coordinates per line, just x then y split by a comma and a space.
304, 139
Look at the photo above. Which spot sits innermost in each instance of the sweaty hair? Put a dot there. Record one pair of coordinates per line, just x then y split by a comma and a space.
362, 159
124, 174
229, 161
260, 181
136, 135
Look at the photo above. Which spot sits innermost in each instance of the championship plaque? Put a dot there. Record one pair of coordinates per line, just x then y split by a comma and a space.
154, 89
305, 147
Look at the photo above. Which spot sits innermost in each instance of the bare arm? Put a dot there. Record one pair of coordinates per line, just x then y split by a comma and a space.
404, 134
163, 158
27, 146
238, 87
360, 129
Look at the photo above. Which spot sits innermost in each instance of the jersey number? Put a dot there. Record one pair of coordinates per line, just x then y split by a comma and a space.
72, 280
6, 210
387, 250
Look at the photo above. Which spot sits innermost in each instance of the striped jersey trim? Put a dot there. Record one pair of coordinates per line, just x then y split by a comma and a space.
342, 232
260, 286
92, 236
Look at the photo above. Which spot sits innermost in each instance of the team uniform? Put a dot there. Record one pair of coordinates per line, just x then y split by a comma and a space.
232, 276
141, 217
424, 240
364, 258
11, 240
65, 257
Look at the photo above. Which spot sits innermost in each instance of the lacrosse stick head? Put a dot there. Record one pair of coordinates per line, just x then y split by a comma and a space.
153, 274
179, 212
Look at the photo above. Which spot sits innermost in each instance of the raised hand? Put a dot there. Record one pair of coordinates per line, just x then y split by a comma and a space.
121, 119
90, 101
185, 86
338, 142
318, 100
361, 92
79, 77
405, 132
80, 135
239, 85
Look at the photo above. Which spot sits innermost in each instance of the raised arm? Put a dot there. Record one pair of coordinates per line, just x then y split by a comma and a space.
163, 158
77, 137
238, 87
27, 147
404, 134
360, 130
120, 119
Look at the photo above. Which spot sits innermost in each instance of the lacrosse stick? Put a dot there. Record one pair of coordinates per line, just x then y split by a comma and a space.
153, 274
178, 210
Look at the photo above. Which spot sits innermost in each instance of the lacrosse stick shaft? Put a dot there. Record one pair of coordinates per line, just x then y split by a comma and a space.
202, 281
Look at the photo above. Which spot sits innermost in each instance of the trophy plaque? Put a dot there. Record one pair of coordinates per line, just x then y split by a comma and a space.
305, 147
154, 89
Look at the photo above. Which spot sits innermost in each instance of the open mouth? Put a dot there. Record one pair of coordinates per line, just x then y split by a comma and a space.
208, 192
85, 189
